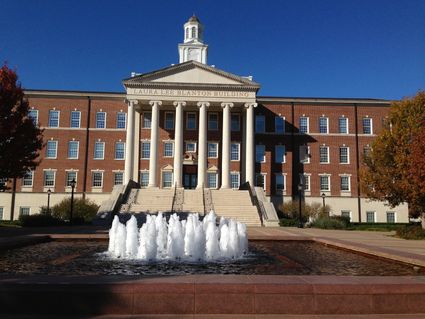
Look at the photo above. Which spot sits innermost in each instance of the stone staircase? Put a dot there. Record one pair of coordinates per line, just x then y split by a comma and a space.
193, 201
153, 200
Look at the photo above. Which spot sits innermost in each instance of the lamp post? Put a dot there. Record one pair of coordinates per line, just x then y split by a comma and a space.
72, 200
324, 202
48, 201
300, 190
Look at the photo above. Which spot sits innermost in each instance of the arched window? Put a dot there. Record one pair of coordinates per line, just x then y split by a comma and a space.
193, 32
187, 33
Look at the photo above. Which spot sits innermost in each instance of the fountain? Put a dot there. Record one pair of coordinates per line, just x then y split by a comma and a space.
183, 240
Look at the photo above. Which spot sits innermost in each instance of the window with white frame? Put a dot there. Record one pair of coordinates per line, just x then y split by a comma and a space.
279, 154
51, 149
49, 178
344, 155
168, 149
145, 150
27, 180
260, 180
346, 214
343, 125
97, 179
324, 183
147, 119
144, 178
304, 154
70, 176
305, 180
213, 121
279, 125
169, 121
99, 150
118, 178
167, 179
323, 125
100, 119
33, 115
121, 120
345, 183
212, 180
75, 119
280, 183
260, 153
1, 213
324, 154
260, 124
119, 150
212, 150
53, 118
366, 150
391, 217
191, 147
235, 180
73, 149
367, 125
24, 211
370, 217
235, 122
304, 124
234, 151
191, 121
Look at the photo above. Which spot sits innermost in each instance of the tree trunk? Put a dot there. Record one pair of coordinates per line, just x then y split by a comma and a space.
423, 220
12, 206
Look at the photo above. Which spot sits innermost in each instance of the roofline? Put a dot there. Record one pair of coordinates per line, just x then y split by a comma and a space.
273, 99
71, 93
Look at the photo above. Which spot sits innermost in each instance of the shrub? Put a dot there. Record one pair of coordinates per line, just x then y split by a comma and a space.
289, 222
291, 210
411, 232
333, 222
39, 220
84, 210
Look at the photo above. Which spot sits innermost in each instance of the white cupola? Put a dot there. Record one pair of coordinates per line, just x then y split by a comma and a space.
193, 47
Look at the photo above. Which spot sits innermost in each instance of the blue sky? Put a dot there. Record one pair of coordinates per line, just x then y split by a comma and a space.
328, 48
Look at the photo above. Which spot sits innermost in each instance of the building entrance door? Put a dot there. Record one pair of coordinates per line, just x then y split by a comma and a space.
190, 176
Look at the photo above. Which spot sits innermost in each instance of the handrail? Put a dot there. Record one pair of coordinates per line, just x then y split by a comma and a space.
255, 201
174, 198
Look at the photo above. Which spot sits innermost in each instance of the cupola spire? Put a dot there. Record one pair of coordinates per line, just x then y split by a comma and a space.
193, 47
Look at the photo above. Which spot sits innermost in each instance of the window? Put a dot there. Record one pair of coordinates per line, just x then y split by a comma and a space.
190, 147
324, 154
1, 213
323, 125
24, 211
304, 154
324, 183
260, 153
370, 217
75, 119
99, 150
234, 152
234, 180
118, 178
193, 32
260, 124
346, 214
147, 119
279, 125
366, 151
167, 179
191, 121
100, 119
33, 115
279, 154
70, 176
169, 121
144, 179
345, 183
73, 149
343, 125
280, 183
53, 118
304, 125
212, 180
235, 122
121, 119
168, 149
27, 179
367, 125
49, 178
343, 155
212, 150
119, 150
260, 180
145, 150
51, 149
97, 179
305, 180
391, 217
3, 183
213, 121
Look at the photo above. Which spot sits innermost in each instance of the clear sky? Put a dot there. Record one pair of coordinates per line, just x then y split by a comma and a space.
326, 48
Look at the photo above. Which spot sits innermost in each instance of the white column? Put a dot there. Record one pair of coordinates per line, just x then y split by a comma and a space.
202, 143
225, 151
153, 159
129, 142
178, 143
250, 144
